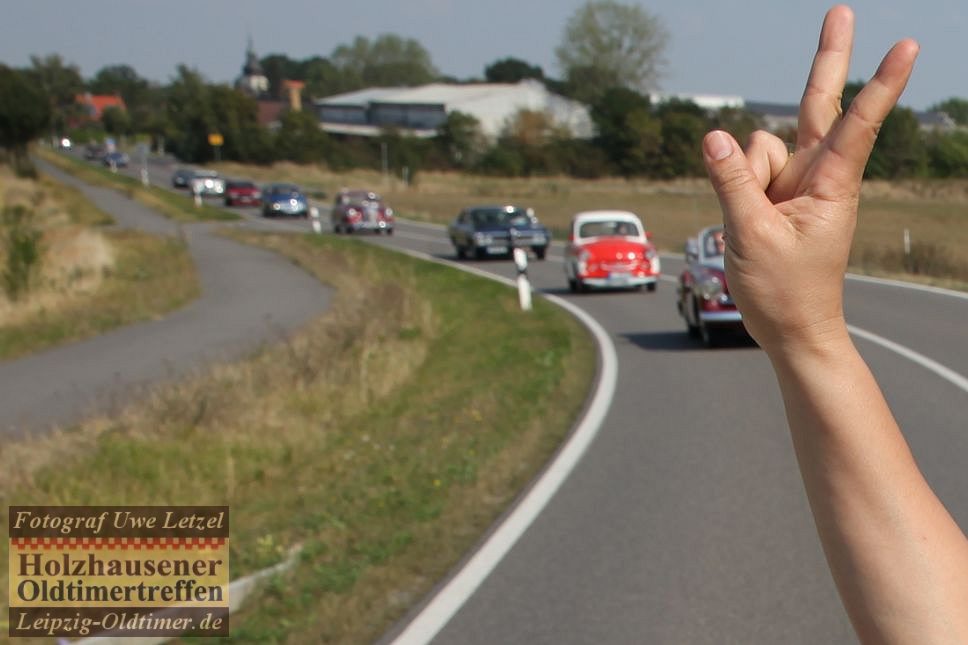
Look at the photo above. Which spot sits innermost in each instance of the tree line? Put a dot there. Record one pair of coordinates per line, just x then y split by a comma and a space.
611, 58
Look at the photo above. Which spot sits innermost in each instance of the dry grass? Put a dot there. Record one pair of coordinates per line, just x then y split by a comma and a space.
90, 278
381, 439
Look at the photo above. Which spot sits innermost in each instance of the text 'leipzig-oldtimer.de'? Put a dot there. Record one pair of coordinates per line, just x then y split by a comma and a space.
610, 250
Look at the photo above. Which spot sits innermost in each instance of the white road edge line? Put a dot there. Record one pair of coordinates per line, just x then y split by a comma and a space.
929, 364
452, 596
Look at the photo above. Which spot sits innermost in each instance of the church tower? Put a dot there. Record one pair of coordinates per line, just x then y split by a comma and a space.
253, 80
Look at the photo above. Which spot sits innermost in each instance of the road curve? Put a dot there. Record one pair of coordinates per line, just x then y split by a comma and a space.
241, 306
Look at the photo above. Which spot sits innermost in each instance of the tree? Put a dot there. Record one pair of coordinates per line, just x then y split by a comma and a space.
123, 80
683, 126
62, 83
607, 44
25, 113
948, 154
954, 107
300, 138
460, 138
628, 132
116, 121
387, 60
512, 70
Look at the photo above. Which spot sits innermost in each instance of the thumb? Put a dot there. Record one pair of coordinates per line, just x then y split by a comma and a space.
740, 194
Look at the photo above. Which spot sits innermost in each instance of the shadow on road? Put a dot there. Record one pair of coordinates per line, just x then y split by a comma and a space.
679, 341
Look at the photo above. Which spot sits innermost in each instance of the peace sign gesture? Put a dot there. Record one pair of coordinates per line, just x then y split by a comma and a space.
790, 218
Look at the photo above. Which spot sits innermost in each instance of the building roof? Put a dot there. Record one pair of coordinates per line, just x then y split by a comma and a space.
97, 103
492, 104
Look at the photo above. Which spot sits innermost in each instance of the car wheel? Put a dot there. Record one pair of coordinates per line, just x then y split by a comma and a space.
572, 285
652, 286
693, 329
479, 253
710, 337
389, 231
540, 251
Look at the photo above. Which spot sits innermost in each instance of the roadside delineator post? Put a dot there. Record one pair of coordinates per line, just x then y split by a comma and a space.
317, 225
197, 190
524, 285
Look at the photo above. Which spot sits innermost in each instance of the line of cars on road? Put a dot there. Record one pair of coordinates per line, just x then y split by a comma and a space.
605, 250
275, 199
610, 250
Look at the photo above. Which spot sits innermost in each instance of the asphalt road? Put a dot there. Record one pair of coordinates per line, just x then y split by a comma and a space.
242, 306
686, 521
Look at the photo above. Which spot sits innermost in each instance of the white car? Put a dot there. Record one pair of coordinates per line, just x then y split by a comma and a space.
207, 183
610, 249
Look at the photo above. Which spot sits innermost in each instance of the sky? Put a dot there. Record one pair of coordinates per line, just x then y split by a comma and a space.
758, 49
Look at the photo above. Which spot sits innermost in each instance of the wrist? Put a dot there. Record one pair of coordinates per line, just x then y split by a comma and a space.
823, 340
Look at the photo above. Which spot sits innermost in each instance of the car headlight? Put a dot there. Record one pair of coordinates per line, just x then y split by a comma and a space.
482, 239
710, 287
276, 206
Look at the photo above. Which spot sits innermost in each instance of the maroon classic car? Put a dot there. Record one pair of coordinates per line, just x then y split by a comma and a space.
361, 210
703, 295
242, 193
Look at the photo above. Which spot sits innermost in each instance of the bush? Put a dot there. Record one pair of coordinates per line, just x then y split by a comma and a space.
22, 245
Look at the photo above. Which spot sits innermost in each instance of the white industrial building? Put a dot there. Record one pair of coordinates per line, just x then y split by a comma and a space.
420, 111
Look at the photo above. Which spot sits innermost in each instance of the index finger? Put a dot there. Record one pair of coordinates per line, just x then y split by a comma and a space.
820, 105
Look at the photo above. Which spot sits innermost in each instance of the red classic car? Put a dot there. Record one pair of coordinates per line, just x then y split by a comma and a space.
361, 210
703, 295
610, 249
242, 193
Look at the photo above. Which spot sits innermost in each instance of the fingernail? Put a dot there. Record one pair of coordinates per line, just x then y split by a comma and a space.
718, 145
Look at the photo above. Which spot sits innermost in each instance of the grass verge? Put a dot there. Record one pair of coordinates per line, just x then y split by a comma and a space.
384, 438
173, 205
150, 276
91, 278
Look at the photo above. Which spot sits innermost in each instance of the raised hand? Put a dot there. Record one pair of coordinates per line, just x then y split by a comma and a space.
790, 218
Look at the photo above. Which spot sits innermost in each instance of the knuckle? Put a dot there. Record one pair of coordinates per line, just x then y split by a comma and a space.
733, 179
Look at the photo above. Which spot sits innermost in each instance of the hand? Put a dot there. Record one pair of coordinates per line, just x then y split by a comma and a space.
790, 218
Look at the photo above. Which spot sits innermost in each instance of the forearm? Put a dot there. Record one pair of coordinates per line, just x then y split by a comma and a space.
897, 556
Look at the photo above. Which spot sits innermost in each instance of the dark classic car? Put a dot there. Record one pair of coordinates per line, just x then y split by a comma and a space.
703, 296
361, 210
610, 249
116, 159
481, 231
284, 199
242, 193
182, 177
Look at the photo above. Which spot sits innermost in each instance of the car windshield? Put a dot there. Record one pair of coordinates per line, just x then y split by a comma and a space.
241, 184
714, 242
285, 189
501, 216
608, 228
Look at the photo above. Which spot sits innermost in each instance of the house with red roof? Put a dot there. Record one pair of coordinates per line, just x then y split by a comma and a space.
93, 105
